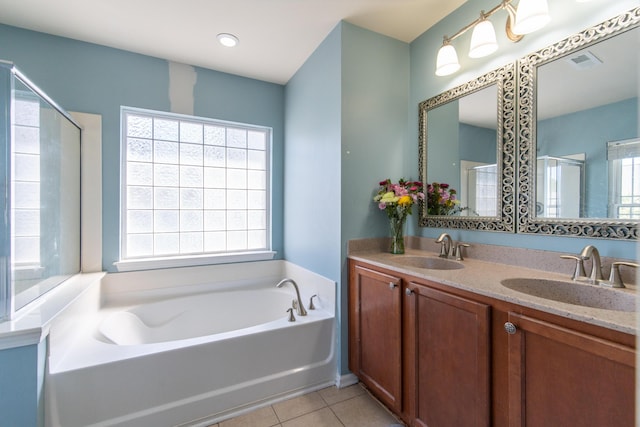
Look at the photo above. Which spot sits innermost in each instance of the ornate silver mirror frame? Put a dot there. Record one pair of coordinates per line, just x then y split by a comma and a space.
527, 220
504, 78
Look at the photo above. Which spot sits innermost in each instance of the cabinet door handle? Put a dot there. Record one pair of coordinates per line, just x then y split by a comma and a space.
510, 328
392, 285
408, 292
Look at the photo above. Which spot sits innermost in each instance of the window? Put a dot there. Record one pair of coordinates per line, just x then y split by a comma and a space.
193, 186
624, 179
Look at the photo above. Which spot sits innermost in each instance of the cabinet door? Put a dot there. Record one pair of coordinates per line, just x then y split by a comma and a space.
562, 377
449, 339
375, 328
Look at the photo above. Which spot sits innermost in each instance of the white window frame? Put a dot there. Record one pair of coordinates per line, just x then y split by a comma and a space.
617, 152
131, 263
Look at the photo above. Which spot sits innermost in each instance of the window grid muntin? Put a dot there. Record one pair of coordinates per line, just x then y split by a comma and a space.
208, 239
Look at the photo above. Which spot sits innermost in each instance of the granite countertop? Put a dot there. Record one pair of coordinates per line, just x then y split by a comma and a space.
484, 277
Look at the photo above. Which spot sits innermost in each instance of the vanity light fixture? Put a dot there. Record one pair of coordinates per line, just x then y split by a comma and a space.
227, 39
530, 16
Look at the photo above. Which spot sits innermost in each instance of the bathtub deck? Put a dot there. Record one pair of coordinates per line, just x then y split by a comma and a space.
349, 407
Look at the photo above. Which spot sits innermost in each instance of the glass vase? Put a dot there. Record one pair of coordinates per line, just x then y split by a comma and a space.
397, 234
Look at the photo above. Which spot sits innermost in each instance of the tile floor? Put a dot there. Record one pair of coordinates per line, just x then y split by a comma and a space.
351, 406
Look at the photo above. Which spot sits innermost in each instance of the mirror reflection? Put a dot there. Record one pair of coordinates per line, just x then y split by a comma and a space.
467, 156
586, 108
578, 141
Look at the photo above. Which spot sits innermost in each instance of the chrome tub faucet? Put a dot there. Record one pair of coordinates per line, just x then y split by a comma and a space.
297, 303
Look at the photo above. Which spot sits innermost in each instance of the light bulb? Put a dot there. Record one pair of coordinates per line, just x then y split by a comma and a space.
531, 15
227, 40
483, 40
447, 61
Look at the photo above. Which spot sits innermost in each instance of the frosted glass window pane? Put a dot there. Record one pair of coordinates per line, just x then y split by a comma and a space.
141, 127
236, 240
166, 152
236, 178
215, 177
27, 250
139, 150
215, 220
191, 243
166, 244
190, 154
257, 160
257, 140
236, 220
166, 198
191, 198
139, 173
27, 112
191, 220
195, 197
166, 175
215, 199
27, 195
165, 129
27, 139
257, 180
256, 240
139, 245
166, 221
214, 156
256, 199
236, 199
139, 221
191, 176
140, 197
214, 135
236, 158
27, 222
236, 138
191, 132
215, 241
256, 220
27, 167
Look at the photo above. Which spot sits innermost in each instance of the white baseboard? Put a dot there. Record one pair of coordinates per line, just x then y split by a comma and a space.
346, 380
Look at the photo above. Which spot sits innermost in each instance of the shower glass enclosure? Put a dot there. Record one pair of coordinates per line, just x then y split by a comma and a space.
40, 226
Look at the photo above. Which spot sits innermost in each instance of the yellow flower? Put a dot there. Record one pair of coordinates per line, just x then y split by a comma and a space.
405, 201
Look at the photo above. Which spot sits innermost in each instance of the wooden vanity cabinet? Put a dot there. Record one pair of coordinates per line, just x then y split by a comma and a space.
375, 333
440, 356
447, 358
562, 377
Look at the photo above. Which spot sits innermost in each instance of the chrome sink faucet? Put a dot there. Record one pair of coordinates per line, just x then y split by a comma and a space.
297, 303
590, 252
446, 245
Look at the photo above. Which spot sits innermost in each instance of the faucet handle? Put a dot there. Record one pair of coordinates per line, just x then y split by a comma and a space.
311, 306
579, 271
615, 281
458, 252
292, 318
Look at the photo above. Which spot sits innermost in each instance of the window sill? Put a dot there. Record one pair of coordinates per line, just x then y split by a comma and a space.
190, 261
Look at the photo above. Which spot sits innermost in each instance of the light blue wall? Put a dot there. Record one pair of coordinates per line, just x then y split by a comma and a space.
21, 385
477, 144
96, 79
443, 157
568, 17
591, 129
346, 130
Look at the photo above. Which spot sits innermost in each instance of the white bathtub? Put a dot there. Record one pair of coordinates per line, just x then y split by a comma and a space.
142, 351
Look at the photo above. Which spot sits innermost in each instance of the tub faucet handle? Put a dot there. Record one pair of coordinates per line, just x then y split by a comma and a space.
311, 306
292, 318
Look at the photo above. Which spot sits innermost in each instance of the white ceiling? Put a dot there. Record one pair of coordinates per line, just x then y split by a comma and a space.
276, 36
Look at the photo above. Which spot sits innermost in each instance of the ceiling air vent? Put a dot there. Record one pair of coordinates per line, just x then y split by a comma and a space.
583, 60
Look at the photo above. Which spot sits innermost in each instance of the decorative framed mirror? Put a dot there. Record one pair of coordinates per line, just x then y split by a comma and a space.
579, 148
467, 154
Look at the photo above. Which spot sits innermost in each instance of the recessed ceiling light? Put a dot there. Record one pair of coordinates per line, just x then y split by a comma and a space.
227, 40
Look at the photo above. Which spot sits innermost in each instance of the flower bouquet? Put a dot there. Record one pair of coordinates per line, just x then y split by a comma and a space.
397, 200
441, 200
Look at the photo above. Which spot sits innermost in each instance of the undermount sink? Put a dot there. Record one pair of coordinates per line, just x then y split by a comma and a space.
431, 263
582, 294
